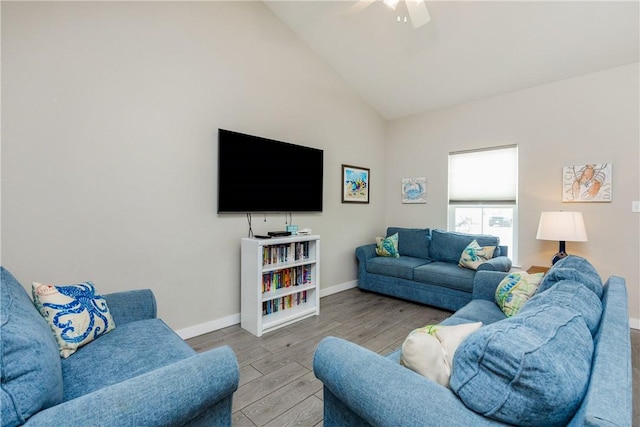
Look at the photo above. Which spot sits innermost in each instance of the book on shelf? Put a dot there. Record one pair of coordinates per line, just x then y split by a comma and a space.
285, 278
287, 252
283, 303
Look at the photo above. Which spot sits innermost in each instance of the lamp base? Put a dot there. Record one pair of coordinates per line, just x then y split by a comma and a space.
557, 257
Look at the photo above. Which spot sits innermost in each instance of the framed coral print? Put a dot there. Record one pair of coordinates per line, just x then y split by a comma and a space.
414, 190
587, 183
355, 184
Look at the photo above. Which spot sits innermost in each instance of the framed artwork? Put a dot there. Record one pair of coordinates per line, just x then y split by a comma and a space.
587, 183
355, 184
414, 190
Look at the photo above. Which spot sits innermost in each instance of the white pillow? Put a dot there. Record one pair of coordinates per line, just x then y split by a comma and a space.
429, 350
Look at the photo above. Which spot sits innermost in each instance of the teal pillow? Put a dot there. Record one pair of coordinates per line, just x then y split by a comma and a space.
526, 370
29, 361
387, 246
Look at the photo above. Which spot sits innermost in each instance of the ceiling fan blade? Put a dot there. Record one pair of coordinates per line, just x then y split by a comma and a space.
418, 12
358, 7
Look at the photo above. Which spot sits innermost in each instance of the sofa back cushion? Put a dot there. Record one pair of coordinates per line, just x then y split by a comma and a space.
572, 296
526, 370
530, 369
30, 362
575, 268
413, 242
447, 246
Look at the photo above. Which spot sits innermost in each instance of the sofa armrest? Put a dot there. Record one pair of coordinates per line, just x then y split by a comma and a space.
499, 263
363, 253
176, 394
485, 284
381, 392
129, 306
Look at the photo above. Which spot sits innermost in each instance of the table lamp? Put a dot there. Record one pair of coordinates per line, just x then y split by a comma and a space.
563, 227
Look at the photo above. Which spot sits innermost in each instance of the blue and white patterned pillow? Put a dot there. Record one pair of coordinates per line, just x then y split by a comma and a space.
474, 255
76, 314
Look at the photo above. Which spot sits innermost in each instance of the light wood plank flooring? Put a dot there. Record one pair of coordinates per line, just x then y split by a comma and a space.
277, 385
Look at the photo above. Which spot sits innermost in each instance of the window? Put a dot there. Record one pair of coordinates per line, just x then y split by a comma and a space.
483, 188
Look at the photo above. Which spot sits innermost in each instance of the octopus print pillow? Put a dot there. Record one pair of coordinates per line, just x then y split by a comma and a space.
76, 314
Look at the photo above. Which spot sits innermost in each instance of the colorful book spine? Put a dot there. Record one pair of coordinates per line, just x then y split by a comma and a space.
283, 303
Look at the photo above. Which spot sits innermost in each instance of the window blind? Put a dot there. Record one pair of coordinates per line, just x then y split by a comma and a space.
484, 176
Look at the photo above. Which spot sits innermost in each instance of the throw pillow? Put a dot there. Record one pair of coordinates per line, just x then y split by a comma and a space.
515, 290
429, 350
474, 255
75, 313
387, 246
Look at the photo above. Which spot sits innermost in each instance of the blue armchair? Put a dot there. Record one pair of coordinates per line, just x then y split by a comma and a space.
139, 374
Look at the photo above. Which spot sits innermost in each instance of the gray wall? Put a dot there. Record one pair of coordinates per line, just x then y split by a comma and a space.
109, 146
593, 118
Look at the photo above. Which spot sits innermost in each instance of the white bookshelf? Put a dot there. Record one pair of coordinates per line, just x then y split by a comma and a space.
280, 282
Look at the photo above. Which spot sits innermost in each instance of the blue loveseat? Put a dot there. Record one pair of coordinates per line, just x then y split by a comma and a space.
578, 326
139, 374
427, 269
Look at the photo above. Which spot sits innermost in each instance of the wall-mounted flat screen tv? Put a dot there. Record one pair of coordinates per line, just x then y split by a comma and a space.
263, 175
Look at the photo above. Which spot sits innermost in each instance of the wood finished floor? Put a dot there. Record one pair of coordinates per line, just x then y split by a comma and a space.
277, 385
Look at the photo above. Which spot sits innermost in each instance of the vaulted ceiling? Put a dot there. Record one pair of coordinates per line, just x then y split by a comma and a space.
469, 50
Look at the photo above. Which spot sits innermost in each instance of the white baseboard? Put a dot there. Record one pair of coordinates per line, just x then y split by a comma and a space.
205, 328
234, 319
634, 323
338, 288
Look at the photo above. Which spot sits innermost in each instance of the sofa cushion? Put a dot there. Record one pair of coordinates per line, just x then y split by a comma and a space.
445, 274
474, 255
387, 246
476, 310
413, 242
76, 313
573, 296
429, 350
515, 290
129, 350
530, 369
575, 268
402, 267
29, 362
447, 246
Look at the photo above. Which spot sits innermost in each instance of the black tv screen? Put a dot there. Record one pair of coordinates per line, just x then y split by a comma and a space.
263, 175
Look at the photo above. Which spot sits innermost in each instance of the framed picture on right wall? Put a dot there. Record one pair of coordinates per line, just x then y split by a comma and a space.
587, 183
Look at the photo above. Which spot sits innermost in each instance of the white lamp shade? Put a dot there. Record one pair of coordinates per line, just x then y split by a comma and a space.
562, 226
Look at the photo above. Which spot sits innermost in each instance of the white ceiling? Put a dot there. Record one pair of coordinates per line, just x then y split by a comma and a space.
469, 50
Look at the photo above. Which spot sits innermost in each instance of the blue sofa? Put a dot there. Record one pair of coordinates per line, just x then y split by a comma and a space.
427, 270
363, 388
139, 374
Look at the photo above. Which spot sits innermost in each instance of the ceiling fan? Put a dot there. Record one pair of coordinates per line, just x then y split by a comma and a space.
417, 10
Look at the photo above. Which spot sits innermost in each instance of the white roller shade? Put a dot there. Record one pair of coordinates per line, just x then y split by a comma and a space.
484, 176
